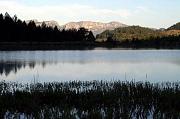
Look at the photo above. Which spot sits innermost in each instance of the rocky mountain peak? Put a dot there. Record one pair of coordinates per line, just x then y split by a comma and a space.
95, 27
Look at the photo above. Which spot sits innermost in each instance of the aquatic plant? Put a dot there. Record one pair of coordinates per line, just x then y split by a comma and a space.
90, 99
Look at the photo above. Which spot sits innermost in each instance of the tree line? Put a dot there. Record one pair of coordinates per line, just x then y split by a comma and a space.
13, 29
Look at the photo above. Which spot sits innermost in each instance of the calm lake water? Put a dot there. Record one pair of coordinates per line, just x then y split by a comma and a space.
49, 66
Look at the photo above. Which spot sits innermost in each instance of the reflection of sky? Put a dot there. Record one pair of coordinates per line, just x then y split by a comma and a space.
96, 65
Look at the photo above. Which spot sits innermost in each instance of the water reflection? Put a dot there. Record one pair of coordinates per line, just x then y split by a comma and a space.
151, 65
7, 67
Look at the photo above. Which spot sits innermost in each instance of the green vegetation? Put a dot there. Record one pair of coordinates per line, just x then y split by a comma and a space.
138, 33
175, 27
140, 37
129, 33
90, 100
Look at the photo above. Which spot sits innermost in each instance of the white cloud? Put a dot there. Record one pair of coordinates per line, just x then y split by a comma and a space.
62, 13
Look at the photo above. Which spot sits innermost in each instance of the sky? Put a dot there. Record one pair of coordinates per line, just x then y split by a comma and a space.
147, 13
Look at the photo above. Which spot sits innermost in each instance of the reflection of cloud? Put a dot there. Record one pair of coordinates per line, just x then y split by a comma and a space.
70, 12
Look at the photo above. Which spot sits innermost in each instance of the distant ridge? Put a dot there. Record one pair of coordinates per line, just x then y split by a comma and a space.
95, 27
100, 27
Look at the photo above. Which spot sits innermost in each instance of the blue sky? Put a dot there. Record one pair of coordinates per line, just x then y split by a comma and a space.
148, 13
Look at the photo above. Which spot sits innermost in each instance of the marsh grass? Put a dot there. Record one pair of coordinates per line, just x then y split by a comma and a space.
90, 100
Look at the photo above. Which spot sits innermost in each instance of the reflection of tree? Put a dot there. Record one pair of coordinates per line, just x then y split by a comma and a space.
8, 67
43, 64
32, 65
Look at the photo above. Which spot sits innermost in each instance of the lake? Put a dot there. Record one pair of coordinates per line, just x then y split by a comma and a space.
58, 66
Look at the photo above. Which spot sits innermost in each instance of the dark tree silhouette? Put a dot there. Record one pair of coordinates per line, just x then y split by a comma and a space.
13, 29
91, 37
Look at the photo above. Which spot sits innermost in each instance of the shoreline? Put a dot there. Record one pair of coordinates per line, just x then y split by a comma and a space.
20, 46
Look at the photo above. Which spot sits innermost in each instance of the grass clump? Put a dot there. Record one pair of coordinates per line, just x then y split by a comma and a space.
90, 99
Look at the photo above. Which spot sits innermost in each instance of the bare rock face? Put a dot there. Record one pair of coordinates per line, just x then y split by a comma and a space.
95, 27
48, 23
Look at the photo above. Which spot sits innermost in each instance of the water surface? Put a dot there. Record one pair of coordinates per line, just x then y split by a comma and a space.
49, 66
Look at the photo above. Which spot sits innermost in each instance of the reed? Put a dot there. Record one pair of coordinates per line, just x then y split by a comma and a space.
90, 100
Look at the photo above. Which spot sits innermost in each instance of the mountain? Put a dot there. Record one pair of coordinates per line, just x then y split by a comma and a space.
175, 27
131, 32
51, 23
115, 30
95, 27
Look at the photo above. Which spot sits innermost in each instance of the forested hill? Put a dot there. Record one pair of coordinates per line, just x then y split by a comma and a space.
137, 32
13, 29
129, 33
141, 37
175, 27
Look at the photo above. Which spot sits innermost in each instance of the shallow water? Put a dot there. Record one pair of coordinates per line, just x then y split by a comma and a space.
49, 66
